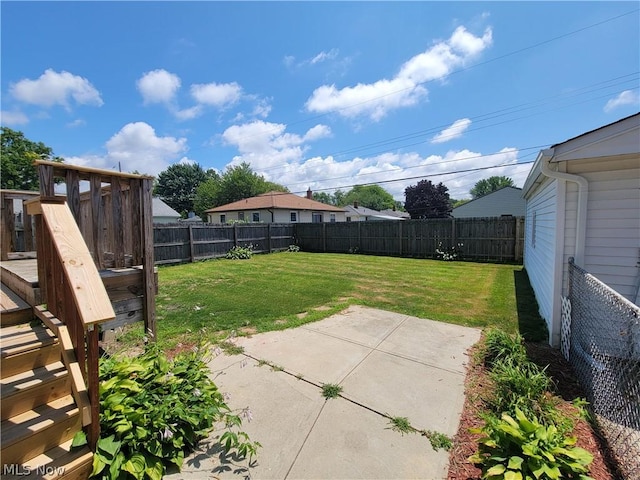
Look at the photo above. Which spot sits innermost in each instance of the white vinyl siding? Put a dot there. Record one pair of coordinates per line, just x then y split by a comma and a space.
612, 245
539, 259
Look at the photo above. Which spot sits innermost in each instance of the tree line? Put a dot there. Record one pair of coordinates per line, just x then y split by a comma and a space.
187, 187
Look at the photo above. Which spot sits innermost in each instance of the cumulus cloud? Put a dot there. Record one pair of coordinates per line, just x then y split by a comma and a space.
158, 86
13, 118
136, 146
375, 100
217, 94
56, 88
454, 131
628, 97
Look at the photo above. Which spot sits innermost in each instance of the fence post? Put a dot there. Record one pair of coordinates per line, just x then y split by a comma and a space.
269, 237
400, 237
8, 227
235, 234
191, 243
324, 237
359, 236
453, 232
517, 250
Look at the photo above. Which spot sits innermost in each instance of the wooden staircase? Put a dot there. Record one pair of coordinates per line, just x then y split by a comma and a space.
44, 399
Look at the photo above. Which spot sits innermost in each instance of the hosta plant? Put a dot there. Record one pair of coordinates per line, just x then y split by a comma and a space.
154, 410
240, 252
524, 449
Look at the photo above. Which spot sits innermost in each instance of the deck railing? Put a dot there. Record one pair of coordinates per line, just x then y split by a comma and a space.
73, 290
10, 238
115, 219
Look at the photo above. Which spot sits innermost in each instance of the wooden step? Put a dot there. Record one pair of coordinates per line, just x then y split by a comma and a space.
29, 360
36, 431
60, 462
21, 276
13, 309
22, 338
27, 390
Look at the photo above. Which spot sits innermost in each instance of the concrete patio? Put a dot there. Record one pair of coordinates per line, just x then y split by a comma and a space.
386, 363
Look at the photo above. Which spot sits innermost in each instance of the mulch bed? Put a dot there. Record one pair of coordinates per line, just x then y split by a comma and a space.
477, 384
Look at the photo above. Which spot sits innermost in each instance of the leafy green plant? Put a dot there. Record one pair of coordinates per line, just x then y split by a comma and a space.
231, 348
499, 345
522, 385
293, 249
524, 449
438, 440
331, 390
240, 252
401, 424
449, 254
155, 410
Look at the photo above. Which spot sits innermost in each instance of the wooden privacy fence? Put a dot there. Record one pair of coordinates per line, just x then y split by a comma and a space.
498, 239
189, 243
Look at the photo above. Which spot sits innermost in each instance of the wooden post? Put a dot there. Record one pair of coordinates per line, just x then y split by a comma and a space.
8, 227
149, 304
45, 172
191, 255
400, 237
359, 236
73, 194
517, 253
235, 234
118, 232
97, 229
324, 237
453, 233
136, 224
269, 237
28, 229
93, 385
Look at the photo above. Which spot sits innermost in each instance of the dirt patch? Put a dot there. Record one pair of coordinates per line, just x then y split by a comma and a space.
248, 331
478, 385
322, 308
299, 315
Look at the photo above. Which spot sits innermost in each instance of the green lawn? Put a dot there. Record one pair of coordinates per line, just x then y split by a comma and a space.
276, 291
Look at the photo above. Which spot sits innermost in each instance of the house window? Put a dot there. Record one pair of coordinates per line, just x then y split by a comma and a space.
316, 217
241, 216
223, 218
294, 217
255, 217
348, 219
332, 218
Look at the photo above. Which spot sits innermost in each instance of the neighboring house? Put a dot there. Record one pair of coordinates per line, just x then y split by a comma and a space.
276, 207
583, 201
163, 213
396, 213
191, 218
356, 213
506, 201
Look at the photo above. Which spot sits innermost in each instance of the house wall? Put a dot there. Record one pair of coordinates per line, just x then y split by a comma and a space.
279, 216
166, 219
540, 249
612, 245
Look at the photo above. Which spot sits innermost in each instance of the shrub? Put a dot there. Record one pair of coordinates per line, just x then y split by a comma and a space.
154, 411
449, 254
293, 248
526, 450
240, 253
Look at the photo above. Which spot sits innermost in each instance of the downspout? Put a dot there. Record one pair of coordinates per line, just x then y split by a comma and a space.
583, 195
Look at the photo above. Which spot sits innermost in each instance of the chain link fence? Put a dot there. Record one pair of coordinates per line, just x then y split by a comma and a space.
601, 339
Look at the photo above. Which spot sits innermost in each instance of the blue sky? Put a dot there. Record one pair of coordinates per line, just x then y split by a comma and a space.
320, 95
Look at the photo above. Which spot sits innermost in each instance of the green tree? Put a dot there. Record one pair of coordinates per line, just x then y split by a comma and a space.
324, 197
177, 185
369, 196
488, 185
234, 184
17, 155
426, 200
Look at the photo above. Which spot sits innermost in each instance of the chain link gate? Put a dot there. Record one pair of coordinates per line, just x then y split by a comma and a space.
601, 339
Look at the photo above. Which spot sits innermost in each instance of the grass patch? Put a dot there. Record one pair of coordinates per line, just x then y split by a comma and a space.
272, 292
401, 424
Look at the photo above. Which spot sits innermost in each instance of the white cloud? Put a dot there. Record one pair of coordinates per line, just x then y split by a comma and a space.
454, 131
158, 86
317, 132
53, 88
324, 56
217, 94
136, 147
188, 113
13, 118
78, 122
628, 97
376, 99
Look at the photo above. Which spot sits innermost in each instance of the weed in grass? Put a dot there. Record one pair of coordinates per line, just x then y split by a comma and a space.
276, 368
331, 390
231, 348
401, 424
262, 362
300, 376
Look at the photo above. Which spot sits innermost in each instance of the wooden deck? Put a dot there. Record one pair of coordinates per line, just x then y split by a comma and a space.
21, 276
